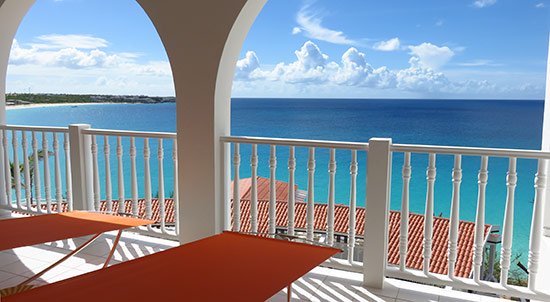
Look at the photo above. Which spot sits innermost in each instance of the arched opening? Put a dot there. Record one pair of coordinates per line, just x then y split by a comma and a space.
202, 72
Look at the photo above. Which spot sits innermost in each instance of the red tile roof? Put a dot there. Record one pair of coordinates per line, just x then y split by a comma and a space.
438, 262
281, 189
155, 208
440, 238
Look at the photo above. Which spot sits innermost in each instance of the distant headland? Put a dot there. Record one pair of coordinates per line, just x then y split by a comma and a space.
16, 99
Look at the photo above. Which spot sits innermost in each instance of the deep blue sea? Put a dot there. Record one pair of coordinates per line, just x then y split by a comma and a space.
476, 123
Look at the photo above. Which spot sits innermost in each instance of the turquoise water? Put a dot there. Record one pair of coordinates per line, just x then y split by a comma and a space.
504, 124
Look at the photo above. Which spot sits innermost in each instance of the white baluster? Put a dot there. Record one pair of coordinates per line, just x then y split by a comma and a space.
68, 176
7, 167
225, 164
147, 179
16, 171
36, 173
254, 189
429, 214
291, 189
331, 195
46, 159
176, 194
455, 215
310, 194
352, 204
134, 176
57, 172
479, 233
404, 226
162, 207
119, 153
536, 223
108, 185
508, 223
26, 170
272, 189
95, 171
236, 189
3, 182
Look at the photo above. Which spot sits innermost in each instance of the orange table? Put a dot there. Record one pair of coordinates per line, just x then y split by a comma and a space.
18, 232
224, 267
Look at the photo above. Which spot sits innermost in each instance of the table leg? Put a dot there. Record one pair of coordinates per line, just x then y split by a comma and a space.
289, 292
115, 243
78, 249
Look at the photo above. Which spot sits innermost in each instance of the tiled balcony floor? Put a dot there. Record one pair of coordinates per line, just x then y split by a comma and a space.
321, 284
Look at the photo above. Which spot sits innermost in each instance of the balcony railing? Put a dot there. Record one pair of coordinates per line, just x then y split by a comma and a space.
84, 175
52, 169
379, 153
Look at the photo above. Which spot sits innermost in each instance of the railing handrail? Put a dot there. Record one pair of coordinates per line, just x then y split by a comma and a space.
295, 142
128, 133
474, 151
413, 148
35, 128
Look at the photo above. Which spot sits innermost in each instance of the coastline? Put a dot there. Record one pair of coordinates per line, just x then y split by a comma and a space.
44, 105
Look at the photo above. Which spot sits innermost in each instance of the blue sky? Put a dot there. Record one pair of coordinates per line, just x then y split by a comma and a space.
300, 48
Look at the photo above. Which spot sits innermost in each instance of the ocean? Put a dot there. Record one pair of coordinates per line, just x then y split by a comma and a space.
475, 123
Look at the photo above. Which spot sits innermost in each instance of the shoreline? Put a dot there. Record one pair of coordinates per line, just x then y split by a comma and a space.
45, 105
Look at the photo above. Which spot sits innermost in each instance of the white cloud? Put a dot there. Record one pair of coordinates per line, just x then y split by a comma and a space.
245, 67
439, 22
420, 77
484, 3
52, 67
314, 74
389, 45
310, 66
540, 5
355, 71
431, 56
55, 41
65, 57
478, 63
310, 24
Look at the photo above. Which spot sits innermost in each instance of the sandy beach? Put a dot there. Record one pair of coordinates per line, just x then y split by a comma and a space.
26, 106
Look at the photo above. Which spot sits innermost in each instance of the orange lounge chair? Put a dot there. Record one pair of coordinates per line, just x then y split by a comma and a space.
33, 230
224, 267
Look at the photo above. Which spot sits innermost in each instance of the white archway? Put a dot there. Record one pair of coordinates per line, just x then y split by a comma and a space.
203, 39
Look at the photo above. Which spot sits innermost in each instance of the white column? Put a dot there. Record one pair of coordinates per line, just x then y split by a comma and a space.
377, 210
544, 275
203, 40
81, 163
11, 14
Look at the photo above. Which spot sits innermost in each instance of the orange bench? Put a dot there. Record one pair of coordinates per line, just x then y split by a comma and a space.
224, 267
19, 232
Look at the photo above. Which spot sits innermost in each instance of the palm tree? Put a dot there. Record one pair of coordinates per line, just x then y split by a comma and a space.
41, 156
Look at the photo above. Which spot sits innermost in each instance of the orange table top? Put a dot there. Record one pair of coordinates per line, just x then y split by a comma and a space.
18, 232
224, 267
